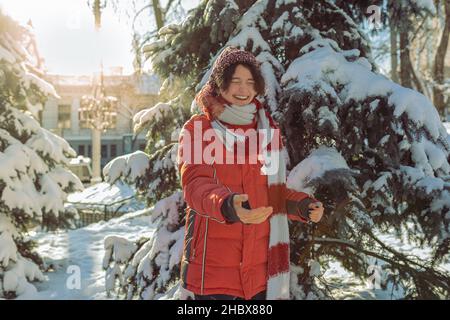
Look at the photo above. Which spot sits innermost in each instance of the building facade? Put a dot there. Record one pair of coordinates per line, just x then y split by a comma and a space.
133, 94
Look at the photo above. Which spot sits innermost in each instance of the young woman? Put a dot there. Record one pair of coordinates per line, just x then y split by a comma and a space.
237, 238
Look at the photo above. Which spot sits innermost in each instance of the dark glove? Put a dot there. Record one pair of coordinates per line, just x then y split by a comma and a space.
300, 208
228, 211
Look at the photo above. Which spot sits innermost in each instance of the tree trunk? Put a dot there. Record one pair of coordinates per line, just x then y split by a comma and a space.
407, 73
405, 76
158, 14
394, 49
438, 74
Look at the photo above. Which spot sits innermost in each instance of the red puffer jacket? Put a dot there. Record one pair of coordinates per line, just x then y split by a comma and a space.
221, 257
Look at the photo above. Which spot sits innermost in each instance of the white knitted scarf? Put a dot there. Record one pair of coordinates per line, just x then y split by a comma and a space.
235, 114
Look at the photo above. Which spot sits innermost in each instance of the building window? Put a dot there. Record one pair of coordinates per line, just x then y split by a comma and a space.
113, 150
81, 150
104, 151
142, 146
90, 151
64, 116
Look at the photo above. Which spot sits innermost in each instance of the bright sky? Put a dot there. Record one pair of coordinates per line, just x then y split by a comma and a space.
66, 36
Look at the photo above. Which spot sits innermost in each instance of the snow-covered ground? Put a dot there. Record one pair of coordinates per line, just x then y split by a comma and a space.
83, 250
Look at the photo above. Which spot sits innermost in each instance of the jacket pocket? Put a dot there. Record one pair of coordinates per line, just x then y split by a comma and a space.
196, 237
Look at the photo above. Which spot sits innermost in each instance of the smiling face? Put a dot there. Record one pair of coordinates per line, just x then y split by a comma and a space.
241, 89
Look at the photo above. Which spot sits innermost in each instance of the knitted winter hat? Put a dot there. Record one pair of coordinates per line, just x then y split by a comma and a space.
208, 99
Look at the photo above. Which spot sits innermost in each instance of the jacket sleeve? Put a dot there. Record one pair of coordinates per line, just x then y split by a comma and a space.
297, 205
200, 188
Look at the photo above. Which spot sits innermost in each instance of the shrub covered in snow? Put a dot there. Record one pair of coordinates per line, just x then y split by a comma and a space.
149, 268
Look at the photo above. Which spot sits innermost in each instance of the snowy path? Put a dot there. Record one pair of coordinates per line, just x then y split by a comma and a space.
84, 248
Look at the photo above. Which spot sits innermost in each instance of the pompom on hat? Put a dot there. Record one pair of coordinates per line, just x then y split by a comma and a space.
208, 99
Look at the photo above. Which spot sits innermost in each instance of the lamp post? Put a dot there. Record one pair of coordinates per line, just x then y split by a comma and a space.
98, 111
97, 6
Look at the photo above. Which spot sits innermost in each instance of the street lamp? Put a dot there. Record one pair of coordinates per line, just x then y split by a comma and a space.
98, 111
97, 6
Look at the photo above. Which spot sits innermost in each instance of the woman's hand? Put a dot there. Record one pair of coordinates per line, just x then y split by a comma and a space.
254, 216
316, 212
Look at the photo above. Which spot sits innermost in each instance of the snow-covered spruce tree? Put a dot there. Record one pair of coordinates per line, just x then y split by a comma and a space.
374, 152
148, 268
392, 139
33, 179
